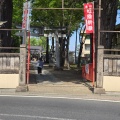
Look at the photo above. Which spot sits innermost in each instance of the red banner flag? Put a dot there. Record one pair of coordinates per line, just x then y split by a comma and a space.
89, 17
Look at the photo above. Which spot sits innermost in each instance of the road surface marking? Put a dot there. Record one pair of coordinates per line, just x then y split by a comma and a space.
39, 117
71, 98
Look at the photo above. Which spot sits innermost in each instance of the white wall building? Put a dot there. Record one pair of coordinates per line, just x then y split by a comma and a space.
86, 47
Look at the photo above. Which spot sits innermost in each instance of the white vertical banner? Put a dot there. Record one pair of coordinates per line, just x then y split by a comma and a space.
25, 11
26, 14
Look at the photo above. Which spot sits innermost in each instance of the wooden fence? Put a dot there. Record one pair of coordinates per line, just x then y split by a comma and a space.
111, 65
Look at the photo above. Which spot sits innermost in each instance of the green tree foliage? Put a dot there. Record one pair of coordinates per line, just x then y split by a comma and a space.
57, 18
16, 20
42, 42
33, 42
38, 42
17, 12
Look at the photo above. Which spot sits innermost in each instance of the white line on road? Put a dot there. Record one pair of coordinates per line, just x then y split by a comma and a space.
72, 98
39, 117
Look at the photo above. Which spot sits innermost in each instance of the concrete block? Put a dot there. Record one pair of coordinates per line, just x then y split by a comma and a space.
23, 88
111, 83
9, 81
99, 91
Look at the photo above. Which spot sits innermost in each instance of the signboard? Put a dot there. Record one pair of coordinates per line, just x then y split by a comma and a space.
87, 68
34, 31
89, 17
87, 72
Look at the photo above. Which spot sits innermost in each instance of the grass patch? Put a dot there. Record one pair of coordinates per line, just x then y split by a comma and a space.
74, 67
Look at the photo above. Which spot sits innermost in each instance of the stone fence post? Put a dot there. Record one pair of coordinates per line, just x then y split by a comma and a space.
22, 73
99, 76
22, 80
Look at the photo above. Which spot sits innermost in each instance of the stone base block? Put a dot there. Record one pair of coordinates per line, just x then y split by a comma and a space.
111, 83
23, 88
9, 81
99, 91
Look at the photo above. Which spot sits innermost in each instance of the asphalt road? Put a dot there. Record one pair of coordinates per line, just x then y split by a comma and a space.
40, 108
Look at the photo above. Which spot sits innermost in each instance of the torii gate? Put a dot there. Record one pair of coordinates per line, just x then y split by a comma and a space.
56, 34
99, 80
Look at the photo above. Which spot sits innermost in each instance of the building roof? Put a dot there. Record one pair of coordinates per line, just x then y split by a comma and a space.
36, 48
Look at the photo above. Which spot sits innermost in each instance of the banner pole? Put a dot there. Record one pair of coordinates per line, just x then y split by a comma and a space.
93, 47
28, 65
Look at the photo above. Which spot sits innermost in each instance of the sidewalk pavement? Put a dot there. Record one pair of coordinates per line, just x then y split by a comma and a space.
66, 83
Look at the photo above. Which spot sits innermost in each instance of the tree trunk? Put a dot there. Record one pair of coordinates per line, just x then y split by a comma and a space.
47, 50
62, 52
67, 53
1, 6
108, 20
7, 16
82, 41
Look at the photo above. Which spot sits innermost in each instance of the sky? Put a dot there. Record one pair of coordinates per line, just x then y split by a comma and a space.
73, 37
73, 40
118, 17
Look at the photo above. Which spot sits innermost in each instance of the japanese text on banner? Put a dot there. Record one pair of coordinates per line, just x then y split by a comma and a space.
89, 17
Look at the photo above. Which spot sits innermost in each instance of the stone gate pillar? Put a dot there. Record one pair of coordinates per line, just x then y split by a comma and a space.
22, 72
22, 80
99, 75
